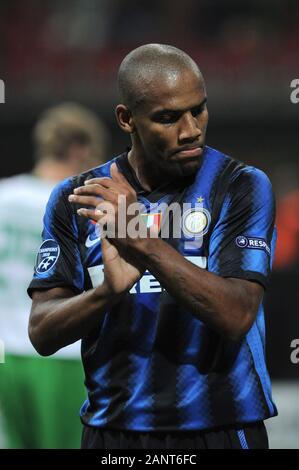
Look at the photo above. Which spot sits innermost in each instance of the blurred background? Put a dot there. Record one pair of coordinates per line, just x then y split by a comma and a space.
53, 52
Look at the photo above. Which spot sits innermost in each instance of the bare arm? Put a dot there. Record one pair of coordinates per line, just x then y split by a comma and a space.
227, 305
59, 318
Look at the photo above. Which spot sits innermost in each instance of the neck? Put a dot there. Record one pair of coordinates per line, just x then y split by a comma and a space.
52, 170
147, 174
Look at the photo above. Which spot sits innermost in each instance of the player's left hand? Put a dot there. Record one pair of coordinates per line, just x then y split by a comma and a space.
108, 197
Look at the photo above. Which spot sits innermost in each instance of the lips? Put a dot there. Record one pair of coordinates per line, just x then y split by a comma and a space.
188, 153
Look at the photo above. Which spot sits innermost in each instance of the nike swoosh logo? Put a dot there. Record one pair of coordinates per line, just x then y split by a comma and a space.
90, 242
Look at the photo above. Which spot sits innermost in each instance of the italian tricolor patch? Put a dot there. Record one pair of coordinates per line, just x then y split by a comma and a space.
152, 220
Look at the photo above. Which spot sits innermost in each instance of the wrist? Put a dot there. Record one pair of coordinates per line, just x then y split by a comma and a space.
103, 291
146, 246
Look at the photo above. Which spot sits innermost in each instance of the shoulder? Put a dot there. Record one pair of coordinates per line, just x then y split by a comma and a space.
65, 187
250, 189
96, 172
240, 168
234, 176
249, 173
240, 171
241, 184
249, 179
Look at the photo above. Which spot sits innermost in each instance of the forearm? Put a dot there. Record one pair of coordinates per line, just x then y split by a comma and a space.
217, 301
56, 323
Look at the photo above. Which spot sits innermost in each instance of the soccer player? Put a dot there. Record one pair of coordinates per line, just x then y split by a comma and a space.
172, 328
68, 138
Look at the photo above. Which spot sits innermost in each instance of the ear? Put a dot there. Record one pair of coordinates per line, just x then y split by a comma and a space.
124, 118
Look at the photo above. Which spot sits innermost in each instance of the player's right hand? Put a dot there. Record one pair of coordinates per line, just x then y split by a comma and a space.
120, 274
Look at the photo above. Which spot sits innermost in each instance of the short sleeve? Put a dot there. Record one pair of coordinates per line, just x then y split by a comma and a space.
243, 240
58, 261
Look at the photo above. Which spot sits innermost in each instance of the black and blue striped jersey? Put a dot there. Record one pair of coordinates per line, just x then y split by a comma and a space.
151, 365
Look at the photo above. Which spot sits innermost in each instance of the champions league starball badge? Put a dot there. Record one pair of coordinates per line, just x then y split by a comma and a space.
47, 256
196, 222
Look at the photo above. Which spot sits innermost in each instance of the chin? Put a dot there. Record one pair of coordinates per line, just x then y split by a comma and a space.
184, 169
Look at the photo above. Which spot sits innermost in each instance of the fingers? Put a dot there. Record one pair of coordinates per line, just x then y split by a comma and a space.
99, 192
93, 193
117, 176
91, 214
105, 182
117, 180
84, 200
94, 190
96, 216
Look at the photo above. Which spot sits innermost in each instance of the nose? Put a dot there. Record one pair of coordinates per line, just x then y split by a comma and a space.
189, 128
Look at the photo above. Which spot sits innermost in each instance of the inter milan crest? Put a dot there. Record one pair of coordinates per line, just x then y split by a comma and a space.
196, 222
47, 256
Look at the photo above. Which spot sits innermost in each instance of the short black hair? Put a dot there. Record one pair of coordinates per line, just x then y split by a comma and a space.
146, 63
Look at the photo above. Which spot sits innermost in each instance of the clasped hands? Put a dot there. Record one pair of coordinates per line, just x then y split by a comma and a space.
106, 197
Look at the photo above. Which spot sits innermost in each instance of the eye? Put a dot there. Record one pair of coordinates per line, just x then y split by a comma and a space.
197, 110
168, 118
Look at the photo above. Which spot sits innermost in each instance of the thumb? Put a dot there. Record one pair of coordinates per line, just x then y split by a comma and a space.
117, 176
109, 251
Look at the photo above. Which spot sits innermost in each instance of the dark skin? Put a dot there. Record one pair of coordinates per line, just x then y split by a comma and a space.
168, 135
59, 317
173, 118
